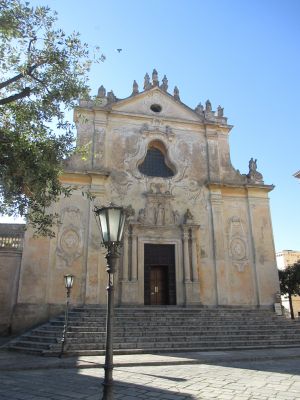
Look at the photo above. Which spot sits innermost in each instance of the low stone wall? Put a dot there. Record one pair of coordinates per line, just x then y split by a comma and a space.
11, 247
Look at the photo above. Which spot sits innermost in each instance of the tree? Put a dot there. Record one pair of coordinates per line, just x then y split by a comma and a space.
289, 279
44, 72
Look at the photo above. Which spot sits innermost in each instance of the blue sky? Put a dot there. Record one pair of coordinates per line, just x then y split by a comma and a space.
243, 55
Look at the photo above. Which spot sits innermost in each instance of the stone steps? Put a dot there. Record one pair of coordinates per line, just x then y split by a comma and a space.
159, 329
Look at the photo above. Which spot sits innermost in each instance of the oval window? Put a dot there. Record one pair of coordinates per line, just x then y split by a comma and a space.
156, 108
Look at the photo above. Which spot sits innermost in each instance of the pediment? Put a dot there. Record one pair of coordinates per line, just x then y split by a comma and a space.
142, 102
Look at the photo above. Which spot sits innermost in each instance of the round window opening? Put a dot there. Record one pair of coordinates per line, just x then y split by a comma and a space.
156, 108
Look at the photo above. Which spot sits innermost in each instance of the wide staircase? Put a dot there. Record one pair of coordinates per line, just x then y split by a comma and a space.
161, 329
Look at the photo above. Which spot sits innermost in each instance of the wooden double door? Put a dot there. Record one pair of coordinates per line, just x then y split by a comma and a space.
159, 285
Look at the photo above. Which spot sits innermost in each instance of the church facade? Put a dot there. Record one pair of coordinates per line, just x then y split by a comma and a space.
198, 231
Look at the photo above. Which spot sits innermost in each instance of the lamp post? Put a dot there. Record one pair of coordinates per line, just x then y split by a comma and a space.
111, 220
69, 279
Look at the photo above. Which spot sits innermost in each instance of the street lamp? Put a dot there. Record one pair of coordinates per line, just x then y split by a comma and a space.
69, 279
111, 220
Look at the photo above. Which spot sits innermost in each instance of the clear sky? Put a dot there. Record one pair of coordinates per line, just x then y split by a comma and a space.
243, 55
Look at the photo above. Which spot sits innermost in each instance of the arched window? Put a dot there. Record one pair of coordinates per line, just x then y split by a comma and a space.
156, 162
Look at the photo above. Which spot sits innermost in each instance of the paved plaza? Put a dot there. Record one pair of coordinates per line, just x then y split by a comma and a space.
241, 375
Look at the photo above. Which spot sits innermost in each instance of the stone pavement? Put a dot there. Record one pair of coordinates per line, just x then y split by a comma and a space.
248, 374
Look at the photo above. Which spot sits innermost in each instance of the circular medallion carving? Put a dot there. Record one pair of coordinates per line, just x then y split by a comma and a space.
69, 241
238, 249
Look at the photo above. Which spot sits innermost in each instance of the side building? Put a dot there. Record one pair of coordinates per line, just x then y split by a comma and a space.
199, 232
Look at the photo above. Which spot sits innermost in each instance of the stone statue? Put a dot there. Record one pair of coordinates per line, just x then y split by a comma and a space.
252, 165
147, 84
208, 106
101, 92
164, 85
129, 212
141, 216
160, 215
155, 78
188, 217
254, 176
135, 88
199, 109
220, 111
176, 93
176, 216
111, 98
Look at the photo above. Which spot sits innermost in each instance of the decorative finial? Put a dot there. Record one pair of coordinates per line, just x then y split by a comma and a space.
199, 109
111, 98
101, 91
208, 106
220, 111
147, 84
155, 78
164, 85
176, 93
135, 88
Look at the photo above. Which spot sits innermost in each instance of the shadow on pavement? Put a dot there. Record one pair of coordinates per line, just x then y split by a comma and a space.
70, 383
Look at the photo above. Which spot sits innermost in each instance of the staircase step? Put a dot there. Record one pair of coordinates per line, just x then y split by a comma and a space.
159, 329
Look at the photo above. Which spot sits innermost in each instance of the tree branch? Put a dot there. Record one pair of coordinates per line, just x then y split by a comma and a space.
20, 76
25, 93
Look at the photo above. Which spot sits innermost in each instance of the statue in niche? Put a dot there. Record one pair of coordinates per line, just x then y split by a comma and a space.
208, 107
176, 217
147, 84
164, 85
220, 111
141, 216
176, 93
135, 88
160, 215
155, 78
188, 217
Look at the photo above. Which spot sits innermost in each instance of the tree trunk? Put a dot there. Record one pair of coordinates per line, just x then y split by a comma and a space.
291, 306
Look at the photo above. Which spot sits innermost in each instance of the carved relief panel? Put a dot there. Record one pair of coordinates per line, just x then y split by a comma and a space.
70, 235
237, 241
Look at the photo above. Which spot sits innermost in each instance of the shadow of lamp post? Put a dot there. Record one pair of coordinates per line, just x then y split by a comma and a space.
69, 279
111, 220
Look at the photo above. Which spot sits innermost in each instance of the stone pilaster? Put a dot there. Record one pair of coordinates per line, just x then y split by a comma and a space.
186, 255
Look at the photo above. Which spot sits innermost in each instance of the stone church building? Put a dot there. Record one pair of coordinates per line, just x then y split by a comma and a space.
199, 232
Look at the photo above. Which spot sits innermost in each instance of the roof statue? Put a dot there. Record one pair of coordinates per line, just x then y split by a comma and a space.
199, 109
147, 84
101, 91
155, 81
164, 85
111, 98
135, 88
220, 111
254, 176
176, 93
208, 106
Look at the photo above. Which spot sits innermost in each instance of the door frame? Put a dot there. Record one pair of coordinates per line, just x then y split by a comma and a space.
171, 284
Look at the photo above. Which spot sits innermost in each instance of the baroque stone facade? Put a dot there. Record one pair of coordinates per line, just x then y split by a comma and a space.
198, 231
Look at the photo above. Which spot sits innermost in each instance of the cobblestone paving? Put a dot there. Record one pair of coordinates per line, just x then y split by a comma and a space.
256, 380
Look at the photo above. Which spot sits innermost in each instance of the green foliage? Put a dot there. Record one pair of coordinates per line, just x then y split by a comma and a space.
43, 73
289, 279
